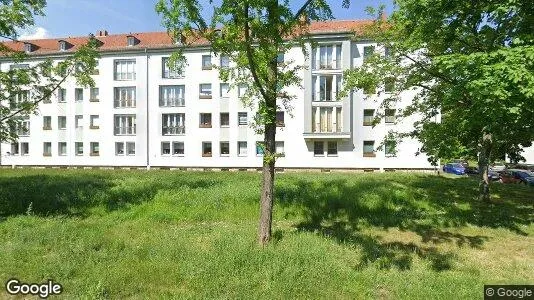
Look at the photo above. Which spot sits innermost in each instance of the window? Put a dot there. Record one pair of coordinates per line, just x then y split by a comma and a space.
78, 94
225, 61
78, 121
279, 148
242, 118
47, 149
125, 69
94, 148
225, 119
62, 148
225, 90
318, 148
178, 148
327, 57
172, 95
390, 148
27, 47
62, 95
170, 71
173, 124
205, 91
94, 122
389, 85
19, 98
119, 148
62, 122
205, 120
368, 117
326, 87
260, 148
23, 128
280, 58
280, 119
206, 62
25, 148
332, 149
47, 123
14, 148
93, 94
165, 148
62, 45
390, 116
368, 51
241, 90
225, 149
45, 93
130, 148
206, 149
242, 149
131, 41
369, 149
125, 97
78, 148
327, 119
125, 124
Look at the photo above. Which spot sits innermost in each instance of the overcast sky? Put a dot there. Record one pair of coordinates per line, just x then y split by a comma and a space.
66, 18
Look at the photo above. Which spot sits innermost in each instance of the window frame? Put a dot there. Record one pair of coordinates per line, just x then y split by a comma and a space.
202, 123
207, 153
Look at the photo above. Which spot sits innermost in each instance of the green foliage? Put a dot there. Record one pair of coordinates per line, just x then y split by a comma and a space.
251, 33
169, 234
470, 65
30, 83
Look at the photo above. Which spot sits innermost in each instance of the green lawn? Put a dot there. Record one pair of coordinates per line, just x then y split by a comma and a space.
171, 234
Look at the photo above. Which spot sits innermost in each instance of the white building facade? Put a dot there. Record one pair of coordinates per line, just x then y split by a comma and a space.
142, 114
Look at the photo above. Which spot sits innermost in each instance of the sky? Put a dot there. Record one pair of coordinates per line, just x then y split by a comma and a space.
68, 18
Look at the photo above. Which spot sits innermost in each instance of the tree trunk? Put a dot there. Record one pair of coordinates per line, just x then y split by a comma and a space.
267, 191
483, 167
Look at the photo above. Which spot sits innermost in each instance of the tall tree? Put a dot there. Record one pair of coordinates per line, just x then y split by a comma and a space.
252, 33
29, 82
470, 63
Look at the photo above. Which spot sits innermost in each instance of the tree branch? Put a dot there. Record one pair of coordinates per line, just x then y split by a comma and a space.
45, 95
301, 10
250, 57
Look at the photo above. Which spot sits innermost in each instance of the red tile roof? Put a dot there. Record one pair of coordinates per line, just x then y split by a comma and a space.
155, 40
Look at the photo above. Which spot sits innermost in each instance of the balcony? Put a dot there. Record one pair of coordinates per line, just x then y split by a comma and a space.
172, 102
173, 130
327, 135
124, 103
125, 130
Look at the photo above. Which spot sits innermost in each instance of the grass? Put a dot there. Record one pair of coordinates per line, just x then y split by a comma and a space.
166, 234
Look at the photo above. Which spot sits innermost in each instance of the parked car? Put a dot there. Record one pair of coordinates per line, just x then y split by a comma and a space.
525, 176
492, 175
518, 176
454, 168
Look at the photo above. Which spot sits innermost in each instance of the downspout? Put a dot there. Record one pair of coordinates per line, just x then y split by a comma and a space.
147, 114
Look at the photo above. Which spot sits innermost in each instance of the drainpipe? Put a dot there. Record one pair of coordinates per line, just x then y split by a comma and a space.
147, 114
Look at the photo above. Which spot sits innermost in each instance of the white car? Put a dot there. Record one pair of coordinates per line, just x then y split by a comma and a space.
498, 167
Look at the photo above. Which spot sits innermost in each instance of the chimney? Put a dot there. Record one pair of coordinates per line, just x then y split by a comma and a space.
102, 33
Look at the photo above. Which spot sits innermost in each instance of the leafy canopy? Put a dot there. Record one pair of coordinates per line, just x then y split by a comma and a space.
470, 65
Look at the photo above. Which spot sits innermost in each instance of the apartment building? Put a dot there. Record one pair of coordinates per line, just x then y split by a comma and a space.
141, 113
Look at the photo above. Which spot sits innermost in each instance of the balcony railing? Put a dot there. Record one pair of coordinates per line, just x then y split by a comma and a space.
124, 103
125, 130
172, 102
173, 130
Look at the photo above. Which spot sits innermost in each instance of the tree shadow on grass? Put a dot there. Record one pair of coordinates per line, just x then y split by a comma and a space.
75, 194
428, 206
